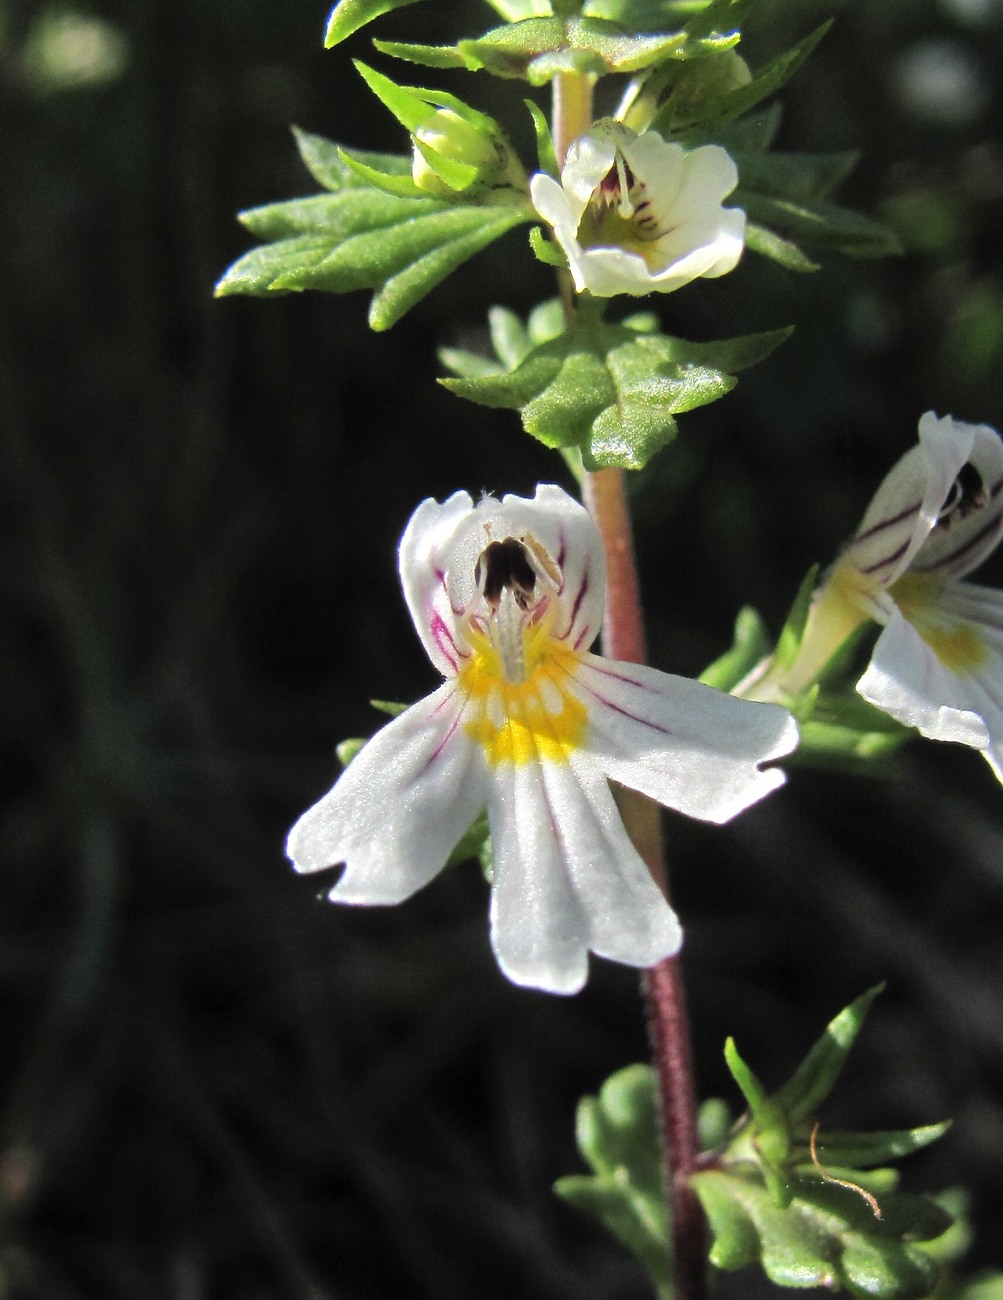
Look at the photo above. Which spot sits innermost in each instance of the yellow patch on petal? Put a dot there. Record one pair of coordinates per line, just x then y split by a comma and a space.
956, 643
536, 720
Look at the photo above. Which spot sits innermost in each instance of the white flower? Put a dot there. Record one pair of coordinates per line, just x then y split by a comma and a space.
938, 664
636, 214
507, 596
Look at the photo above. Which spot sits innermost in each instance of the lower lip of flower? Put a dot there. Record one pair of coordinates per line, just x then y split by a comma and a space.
533, 720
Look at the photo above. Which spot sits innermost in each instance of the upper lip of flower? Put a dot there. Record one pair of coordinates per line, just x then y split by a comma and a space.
507, 597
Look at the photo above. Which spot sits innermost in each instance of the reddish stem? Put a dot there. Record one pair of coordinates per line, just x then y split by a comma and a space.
668, 1023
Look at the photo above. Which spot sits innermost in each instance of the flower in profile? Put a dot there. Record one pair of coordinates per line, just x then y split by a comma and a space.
638, 214
938, 663
507, 597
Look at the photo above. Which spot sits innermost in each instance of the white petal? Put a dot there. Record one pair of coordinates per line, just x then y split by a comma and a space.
906, 680
422, 557
568, 880
628, 917
906, 505
567, 533
589, 160
538, 930
688, 746
959, 545
400, 807
698, 249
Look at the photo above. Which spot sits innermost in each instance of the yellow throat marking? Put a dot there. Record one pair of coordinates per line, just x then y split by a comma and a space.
535, 720
957, 644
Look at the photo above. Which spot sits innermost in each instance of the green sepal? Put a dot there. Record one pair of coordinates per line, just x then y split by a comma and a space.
359, 236
397, 182
750, 646
709, 115
545, 154
619, 1138
857, 1151
412, 105
327, 164
545, 250
348, 16
614, 391
816, 1076
792, 632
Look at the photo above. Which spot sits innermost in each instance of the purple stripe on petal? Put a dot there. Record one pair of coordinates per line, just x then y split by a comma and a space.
616, 708
444, 640
887, 523
582, 590
947, 561
888, 560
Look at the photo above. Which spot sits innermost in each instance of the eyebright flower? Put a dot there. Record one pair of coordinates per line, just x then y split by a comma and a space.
938, 663
637, 214
507, 597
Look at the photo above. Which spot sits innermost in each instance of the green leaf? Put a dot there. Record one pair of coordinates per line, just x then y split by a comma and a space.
709, 115
613, 392
768, 244
794, 176
820, 225
618, 1135
394, 182
511, 340
826, 1236
537, 49
361, 237
349, 15
816, 1076
867, 1150
750, 646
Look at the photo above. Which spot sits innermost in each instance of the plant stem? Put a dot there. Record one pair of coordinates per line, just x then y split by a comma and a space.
623, 638
668, 1023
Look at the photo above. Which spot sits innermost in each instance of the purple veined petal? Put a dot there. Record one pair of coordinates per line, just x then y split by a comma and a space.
423, 555
690, 747
906, 505
568, 880
539, 930
400, 807
907, 680
564, 530
628, 917
966, 535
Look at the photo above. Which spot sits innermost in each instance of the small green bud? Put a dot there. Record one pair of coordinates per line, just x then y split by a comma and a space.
456, 153
451, 153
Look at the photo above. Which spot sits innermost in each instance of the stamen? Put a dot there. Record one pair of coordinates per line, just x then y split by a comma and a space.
624, 207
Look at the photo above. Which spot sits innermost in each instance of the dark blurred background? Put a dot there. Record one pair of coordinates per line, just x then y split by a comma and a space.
213, 1084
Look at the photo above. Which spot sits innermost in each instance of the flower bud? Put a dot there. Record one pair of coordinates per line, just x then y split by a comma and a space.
454, 155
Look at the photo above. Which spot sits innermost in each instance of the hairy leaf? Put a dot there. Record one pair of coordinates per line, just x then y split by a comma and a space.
613, 391
348, 16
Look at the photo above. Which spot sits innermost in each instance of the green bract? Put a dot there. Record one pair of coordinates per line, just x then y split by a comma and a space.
360, 236
613, 391
807, 1221
538, 49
